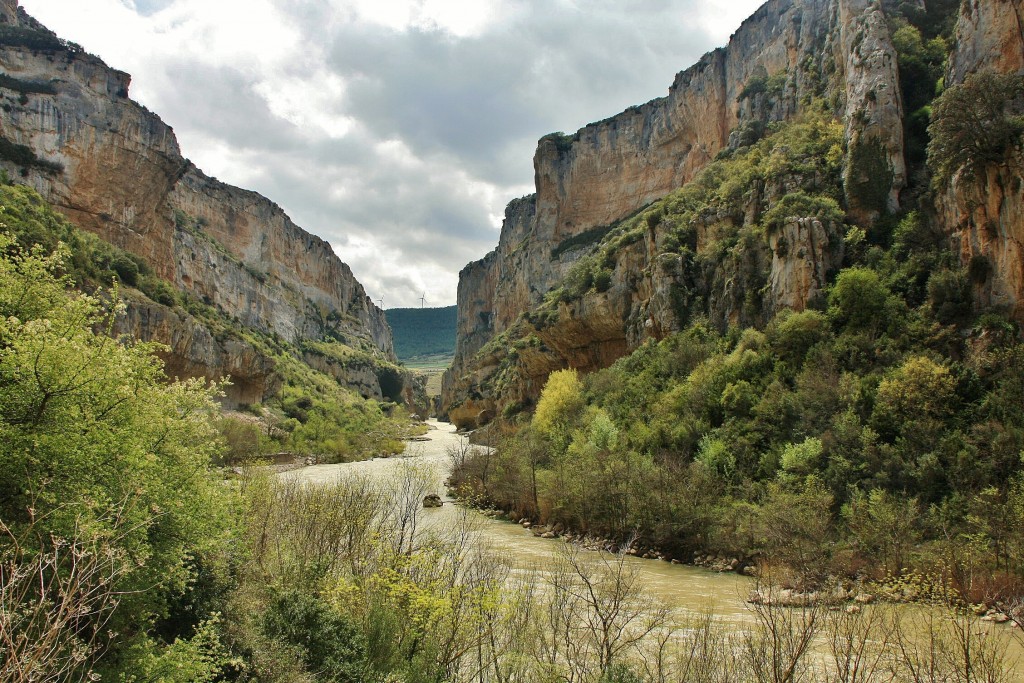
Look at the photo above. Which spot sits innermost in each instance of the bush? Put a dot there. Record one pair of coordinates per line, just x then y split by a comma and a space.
799, 204
857, 299
127, 269
327, 642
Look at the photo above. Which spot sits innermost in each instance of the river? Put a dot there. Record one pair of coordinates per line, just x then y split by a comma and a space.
683, 588
678, 586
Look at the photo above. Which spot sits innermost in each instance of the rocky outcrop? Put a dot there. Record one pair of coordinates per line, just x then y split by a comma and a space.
115, 169
785, 55
876, 170
804, 251
989, 35
192, 350
983, 214
983, 211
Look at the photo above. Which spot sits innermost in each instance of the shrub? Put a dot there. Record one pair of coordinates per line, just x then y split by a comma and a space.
799, 204
857, 299
328, 643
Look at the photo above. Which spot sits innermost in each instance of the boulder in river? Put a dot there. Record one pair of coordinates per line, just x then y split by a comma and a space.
432, 500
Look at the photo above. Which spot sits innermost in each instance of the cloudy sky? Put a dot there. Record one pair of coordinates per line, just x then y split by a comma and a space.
395, 129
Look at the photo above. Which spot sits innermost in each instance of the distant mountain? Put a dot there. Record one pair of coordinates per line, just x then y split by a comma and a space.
422, 331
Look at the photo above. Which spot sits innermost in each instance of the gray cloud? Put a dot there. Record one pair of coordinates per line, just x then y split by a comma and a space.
441, 129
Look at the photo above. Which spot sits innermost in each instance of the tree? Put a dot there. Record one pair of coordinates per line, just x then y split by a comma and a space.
796, 525
857, 299
915, 397
884, 527
974, 124
96, 448
559, 406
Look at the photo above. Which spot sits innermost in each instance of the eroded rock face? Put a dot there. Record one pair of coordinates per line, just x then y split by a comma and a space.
785, 54
194, 351
804, 251
989, 35
984, 212
876, 171
122, 176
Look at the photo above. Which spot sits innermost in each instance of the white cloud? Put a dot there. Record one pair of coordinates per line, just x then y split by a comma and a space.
396, 129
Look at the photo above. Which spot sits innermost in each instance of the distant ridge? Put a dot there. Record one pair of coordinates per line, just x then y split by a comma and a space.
422, 331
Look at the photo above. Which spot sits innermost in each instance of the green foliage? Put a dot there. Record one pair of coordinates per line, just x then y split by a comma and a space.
583, 239
559, 405
869, 176
422, 331
96, 445
752, 443
91, 262
857, 299
802, 205
975, 124
804, 156
36, 39
561, 141
884, 527
328, 644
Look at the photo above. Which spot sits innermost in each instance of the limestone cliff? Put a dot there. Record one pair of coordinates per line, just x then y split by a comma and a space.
989, 35
115, 169
984, 212
786, 55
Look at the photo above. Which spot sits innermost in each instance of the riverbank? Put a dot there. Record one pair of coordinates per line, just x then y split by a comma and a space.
682, 587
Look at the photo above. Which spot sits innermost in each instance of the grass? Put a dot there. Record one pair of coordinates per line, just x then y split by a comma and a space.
433, 366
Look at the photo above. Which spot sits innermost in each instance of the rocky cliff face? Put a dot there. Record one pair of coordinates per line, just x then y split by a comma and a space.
193, 351
788, 53
984, 213
989, 35
115, 169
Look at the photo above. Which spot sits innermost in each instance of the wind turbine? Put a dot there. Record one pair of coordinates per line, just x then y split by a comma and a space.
380, 302
423, 299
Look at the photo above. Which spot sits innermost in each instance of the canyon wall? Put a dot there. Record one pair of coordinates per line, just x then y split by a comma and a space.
115, 169
984, 212
788, 54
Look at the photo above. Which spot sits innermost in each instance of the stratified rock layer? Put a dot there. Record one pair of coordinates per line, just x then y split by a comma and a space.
839, 51
123, 177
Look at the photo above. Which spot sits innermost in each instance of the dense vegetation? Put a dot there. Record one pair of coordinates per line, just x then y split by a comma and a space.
422, 331
875, 435
311, 414
124, 556
872, 441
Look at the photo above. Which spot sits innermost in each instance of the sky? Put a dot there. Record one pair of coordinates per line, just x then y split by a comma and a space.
397, 130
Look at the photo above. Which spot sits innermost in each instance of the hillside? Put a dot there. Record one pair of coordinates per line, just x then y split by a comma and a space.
632, 232
804, 353
69, 130
422, 331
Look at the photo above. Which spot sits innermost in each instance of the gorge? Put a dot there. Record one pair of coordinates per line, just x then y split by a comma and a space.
839, 54
764, 332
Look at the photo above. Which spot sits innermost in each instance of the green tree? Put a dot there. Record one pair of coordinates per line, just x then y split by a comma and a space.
327, 643
95, 445
559, 407
857, 299
915, 397
975, 124
884, 527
